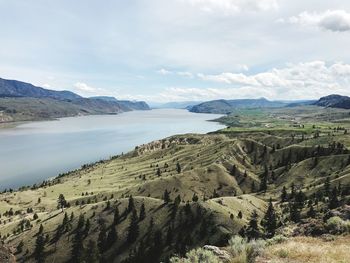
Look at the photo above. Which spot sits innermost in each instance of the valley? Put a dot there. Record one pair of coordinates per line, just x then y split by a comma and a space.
187, 191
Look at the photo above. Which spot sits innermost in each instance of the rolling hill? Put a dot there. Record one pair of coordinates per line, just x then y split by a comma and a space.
227, 106
182, 192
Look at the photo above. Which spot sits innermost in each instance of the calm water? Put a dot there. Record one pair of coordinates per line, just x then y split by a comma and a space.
36, 151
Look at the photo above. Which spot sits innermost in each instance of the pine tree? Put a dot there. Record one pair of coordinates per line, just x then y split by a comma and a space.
233, 170
158, 173
284, 195
270, 220
263, 183
327, 186
292, 192
92, 254
142, 212
131, 205
39, 253
87, 227
102, 239
240, 215
178, 167
77, 247
116, 216
253, 229
333, 201
133, 230
311, 213
166, 196
294, 212
61, 202
112, 236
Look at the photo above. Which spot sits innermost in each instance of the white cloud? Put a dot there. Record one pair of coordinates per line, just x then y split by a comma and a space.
332, 20
86, 90
185, 74
229, 7
163, 71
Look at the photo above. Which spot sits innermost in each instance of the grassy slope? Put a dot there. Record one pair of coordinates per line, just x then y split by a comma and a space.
205, 160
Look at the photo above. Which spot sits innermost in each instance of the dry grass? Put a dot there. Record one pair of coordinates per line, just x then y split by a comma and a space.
311, 250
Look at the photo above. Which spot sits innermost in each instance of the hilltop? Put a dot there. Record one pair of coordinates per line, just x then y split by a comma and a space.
20, 101
187, 191
334, 101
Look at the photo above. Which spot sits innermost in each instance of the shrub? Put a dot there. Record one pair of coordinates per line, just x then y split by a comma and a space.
199, 255
336, 225
243, 251
276, 240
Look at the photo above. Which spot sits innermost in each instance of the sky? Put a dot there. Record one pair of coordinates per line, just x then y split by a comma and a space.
179, 50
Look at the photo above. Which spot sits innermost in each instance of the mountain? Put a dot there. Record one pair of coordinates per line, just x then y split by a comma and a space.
14, 88
20, 101
334, 101
227, 106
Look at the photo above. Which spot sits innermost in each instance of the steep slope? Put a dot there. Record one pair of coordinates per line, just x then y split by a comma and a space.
212, 183
20, 101
14, 88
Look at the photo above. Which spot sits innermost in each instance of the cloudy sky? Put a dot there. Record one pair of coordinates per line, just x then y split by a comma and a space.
178, 50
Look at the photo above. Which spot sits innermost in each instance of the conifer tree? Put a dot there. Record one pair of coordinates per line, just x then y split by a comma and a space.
77, 247
294, 212
166, 196
92, 254
131, 205
333, 201
61, 202
112, 236
142, 212
327, 187
284, 195
133, 230
102, 239
39, 253
270, 220
178, 167
253, 228
233, 170
116, 216
311, 213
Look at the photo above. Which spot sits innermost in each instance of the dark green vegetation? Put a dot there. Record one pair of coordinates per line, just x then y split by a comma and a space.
20, 101
284, 172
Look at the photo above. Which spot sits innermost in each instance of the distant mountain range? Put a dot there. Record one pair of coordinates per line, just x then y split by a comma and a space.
227, 106
334, 101
20, 101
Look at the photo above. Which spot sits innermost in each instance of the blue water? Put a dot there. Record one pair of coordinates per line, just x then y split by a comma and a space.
36, 151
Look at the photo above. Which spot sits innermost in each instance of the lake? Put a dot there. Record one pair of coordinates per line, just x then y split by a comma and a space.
35, 151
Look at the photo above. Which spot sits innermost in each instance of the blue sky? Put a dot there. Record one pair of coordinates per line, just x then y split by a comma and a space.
178, 50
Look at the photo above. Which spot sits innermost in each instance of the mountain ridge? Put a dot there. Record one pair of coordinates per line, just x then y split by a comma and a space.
21, 101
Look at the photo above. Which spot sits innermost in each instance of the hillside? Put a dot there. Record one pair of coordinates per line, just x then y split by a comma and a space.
227, 106
20, 101
334, 101
184, 192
